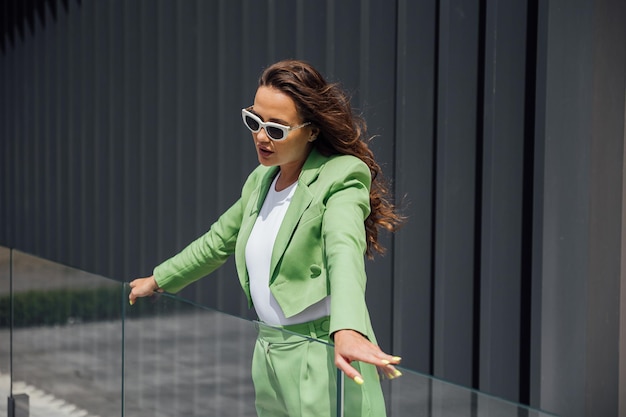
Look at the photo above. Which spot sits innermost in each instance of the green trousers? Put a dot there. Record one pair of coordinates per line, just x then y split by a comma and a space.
294, 376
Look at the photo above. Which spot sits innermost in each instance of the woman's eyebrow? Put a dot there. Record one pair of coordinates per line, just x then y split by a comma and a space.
280, 122
274, 120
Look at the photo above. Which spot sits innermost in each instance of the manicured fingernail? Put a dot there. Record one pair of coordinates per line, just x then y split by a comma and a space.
131, 302
358, 380
397, 358
397, 373
385, 362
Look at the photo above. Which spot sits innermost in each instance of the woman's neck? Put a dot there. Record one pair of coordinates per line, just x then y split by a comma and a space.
285, 180
290, 172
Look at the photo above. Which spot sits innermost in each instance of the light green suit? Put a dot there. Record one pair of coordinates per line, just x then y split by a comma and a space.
319, 249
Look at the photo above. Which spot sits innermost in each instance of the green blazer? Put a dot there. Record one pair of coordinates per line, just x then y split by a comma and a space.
319, 249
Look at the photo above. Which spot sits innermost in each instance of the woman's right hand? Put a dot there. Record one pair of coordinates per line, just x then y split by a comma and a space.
142, 287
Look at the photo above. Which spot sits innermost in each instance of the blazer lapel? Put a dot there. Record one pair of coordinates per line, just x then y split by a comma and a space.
299, 203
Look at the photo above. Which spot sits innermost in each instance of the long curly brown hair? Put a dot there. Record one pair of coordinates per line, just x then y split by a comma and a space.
341, 131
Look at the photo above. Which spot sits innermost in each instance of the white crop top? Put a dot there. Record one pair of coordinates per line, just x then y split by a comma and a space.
259, 255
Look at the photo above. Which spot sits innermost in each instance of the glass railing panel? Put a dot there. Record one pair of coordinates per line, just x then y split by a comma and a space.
5, 330
415, 394
67, 339
79, 349
182, 359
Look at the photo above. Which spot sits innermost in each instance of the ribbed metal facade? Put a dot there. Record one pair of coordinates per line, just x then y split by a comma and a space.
121, 141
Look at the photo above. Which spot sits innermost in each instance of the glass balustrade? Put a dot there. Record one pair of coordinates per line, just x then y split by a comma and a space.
67, 344
75, 347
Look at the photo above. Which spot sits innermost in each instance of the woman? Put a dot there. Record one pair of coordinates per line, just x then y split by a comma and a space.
306, 217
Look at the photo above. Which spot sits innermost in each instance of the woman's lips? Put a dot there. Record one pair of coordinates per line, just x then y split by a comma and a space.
264, 152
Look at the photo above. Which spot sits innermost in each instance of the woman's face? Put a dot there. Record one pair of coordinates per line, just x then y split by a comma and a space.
272, 105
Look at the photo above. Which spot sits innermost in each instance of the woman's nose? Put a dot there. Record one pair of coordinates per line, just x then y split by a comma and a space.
261, 135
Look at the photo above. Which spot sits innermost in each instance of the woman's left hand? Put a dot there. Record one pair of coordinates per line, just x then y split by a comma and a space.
142, 287
353, 346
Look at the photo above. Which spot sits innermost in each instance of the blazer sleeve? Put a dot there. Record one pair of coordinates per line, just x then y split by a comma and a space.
202, 256
343, 230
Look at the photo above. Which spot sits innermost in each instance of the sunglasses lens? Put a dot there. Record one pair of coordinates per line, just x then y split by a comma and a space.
252, 124
274, 132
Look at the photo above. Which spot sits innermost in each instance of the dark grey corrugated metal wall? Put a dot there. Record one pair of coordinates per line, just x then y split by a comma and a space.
122, 141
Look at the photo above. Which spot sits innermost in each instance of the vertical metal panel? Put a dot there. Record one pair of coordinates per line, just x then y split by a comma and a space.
281, 28
606, 207
186, 129
5, 146
26, 124
231, 151
502, 198
74, 201
20, 72
115, 201
35, 128
49, 138
207, 171
414, 182
537, 206
13, 105
313, 22
455, 184
17, 111
346, 59
87, 134
165, 123
61, 197
99, 140
7, 158
148, 121
254, 55
378, 60
565, 210
130, 160
622, 292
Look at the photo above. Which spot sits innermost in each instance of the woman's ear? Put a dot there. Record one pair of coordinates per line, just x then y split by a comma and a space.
314, 132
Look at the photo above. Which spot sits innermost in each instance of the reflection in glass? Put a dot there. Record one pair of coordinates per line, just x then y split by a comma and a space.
185, 360
421, 395
66, 338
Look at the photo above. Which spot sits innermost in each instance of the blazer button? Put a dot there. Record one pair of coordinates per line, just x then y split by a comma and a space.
325, 324
315, 271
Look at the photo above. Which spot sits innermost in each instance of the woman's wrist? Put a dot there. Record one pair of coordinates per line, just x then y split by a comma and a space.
156, 284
